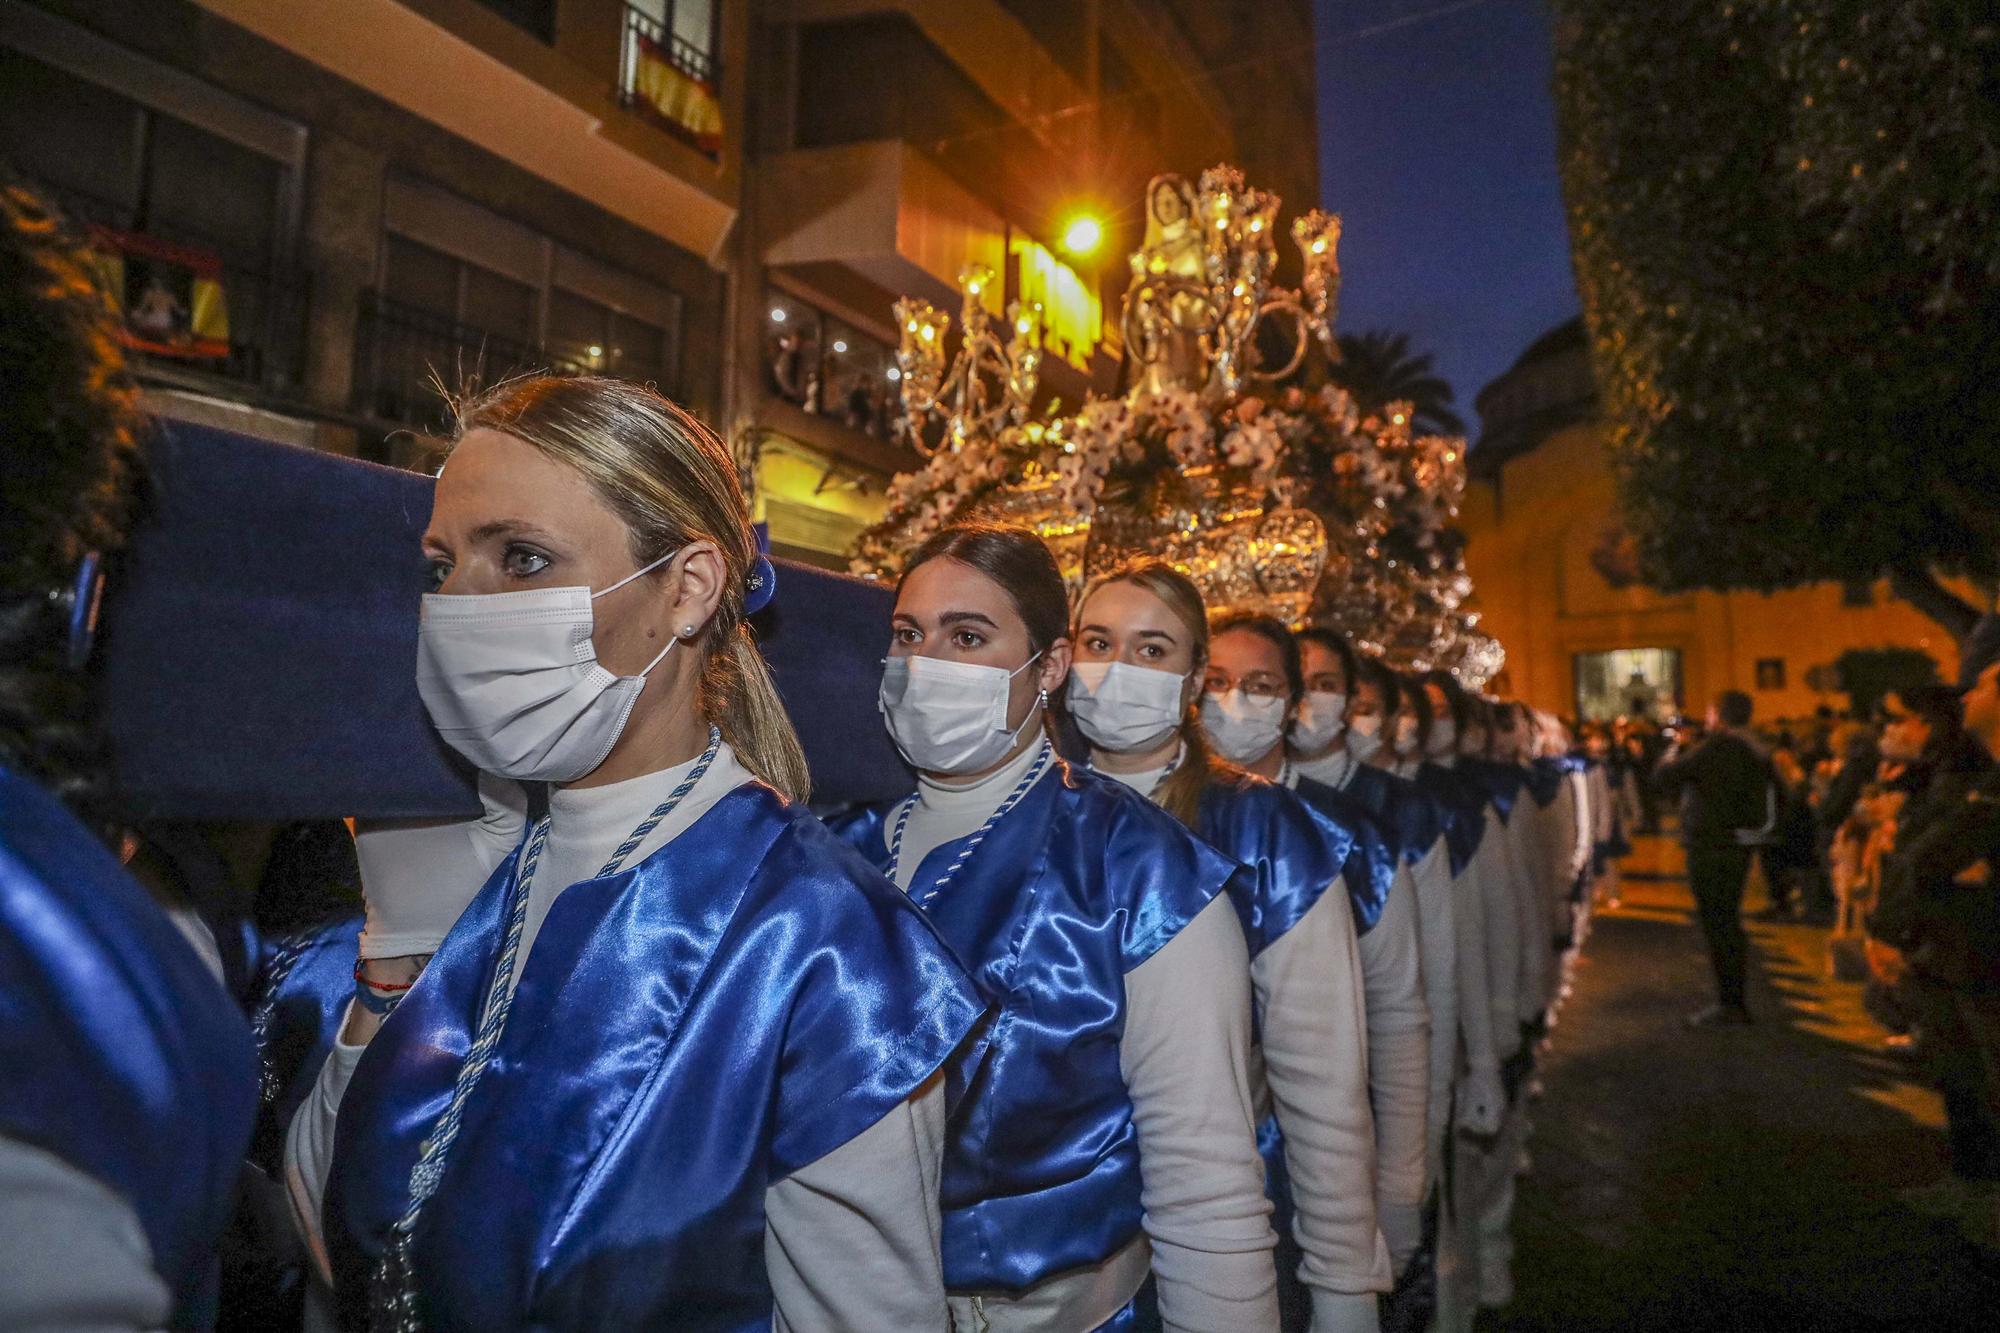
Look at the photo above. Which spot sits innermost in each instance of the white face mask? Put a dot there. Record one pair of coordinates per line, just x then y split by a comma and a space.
1240, 727
950, 717
1897, 746
1406, 736
512, 680
1123, 706
1364, 737
1322, 717
1443, 739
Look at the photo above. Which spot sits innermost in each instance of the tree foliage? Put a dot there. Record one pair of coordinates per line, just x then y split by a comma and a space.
1378, 368
1785, 216
1870, 675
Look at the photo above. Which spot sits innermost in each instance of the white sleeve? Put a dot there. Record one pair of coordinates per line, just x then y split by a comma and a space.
1312, 1000
1503, 935
309, 1148
75, 1255
1480, 1094
1399, 1057
1437, 937
851, 1240
1185, 1059
1530, 881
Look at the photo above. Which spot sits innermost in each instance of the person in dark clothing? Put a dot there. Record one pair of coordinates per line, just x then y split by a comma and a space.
1940, 906
1791, 859
1728, 806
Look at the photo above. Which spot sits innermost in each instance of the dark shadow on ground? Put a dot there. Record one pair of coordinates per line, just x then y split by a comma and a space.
1739, 1179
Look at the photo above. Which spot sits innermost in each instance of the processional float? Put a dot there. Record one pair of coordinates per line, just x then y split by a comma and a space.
1272, 494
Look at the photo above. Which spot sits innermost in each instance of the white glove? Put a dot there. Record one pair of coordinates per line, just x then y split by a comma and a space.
1344, 1312
418, 875
1402, 1227
1482, 1101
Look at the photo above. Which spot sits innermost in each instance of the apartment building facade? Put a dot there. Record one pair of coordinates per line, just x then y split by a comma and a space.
319, 216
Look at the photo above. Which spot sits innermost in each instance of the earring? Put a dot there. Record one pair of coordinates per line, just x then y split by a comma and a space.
1044, 703
687, 631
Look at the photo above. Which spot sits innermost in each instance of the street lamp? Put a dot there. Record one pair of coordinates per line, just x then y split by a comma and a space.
1083, 235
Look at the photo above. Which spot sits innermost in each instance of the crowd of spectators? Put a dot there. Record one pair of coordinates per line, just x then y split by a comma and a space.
1885, 828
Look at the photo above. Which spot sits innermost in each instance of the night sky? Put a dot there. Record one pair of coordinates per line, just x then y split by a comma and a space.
1437, 145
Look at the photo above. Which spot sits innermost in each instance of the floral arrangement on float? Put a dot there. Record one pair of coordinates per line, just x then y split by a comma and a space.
1272, 491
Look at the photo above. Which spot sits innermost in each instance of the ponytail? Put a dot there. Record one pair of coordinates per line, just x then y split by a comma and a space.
1180, 794
739, 697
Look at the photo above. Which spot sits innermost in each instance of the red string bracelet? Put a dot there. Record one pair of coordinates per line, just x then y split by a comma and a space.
378, 985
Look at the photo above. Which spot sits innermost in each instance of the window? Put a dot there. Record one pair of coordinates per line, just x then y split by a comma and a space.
1770, 673
669, 71
1628, 682
607, 341
829, 367
533, 16
190, 225
468, 297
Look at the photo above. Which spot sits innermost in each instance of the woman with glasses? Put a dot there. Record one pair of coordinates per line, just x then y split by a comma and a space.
1109, 1130
1255, 668
668, 1057
1142, 663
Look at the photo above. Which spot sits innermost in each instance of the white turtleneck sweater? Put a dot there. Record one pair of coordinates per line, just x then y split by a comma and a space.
1399, 1038
1185, 1059
850, 1241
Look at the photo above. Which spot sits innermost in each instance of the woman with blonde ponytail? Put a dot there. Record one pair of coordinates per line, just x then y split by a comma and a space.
1143, 662
667, 1055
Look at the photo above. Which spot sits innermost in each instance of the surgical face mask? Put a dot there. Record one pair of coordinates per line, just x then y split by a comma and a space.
1322, 717
1364, 736
1406, 735
1443, 739
1123, 706
950, 717
512, 680
1241, 727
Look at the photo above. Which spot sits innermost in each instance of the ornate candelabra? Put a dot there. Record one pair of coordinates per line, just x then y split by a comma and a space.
1201, 286
988, 386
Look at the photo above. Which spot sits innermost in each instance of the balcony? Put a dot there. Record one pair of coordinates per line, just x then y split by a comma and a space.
669, 80
196, 313
407, 359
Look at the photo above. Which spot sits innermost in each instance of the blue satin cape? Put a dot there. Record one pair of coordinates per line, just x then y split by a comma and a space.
119, 1051
1545, 779
297, 1006
1464, 807
1293, 853
685, 1033
1081, 882
1499, 783
1370, 870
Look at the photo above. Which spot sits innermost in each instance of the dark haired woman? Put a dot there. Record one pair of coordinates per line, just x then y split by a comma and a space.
1142, 659
1110, 1127
126, 1076
1252, 656
674, 1062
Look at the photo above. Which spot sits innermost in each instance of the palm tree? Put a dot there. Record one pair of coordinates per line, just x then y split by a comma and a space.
1378, 369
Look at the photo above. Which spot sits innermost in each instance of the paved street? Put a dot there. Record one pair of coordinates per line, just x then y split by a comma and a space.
1742, 1179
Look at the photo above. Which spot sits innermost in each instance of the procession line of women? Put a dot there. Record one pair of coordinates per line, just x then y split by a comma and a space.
1196, 986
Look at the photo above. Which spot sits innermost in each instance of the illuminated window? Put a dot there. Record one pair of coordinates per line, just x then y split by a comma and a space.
1071, 311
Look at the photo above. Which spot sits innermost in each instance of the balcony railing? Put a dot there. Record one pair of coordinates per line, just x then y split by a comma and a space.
407, 359
670, 81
